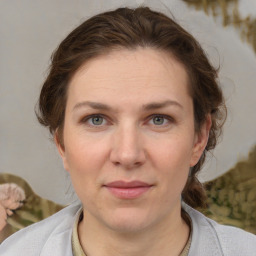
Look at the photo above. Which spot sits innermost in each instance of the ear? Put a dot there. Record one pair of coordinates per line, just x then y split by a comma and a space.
200, 141
61, 149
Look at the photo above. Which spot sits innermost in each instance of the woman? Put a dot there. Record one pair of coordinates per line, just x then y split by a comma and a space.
133, 106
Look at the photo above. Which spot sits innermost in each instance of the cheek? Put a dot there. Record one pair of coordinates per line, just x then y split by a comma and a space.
84, 153
86, 156
172, 162
84, 169
174, 153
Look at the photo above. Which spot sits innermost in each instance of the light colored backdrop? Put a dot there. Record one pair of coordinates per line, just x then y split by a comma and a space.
31, 30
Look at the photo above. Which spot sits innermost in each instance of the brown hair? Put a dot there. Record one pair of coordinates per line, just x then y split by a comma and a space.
130, 29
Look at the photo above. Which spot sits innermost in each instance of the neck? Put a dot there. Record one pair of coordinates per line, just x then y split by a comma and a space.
166, 238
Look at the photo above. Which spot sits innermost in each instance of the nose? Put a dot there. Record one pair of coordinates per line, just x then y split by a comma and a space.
127, 148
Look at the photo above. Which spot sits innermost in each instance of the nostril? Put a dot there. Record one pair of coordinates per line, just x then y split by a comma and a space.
138, 163
117, 163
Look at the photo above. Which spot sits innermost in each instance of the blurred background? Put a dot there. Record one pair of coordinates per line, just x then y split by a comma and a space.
31, 30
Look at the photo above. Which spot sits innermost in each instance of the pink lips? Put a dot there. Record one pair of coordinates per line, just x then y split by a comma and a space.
128, 190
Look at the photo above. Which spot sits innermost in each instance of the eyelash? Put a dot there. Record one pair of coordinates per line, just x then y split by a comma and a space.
87, 118
166, 117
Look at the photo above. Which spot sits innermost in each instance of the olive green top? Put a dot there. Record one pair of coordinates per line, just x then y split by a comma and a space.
76, 246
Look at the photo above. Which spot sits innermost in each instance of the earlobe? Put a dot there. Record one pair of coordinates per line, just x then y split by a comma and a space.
58, 144
61, 149
201, 140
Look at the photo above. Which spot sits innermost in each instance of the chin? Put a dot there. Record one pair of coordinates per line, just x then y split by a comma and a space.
128, 221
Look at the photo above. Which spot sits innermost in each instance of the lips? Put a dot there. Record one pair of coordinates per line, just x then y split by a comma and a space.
128, 190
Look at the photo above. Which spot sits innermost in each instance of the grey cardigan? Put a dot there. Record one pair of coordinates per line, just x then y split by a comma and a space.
52, 237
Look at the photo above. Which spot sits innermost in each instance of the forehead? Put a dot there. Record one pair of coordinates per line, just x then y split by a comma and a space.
129, 74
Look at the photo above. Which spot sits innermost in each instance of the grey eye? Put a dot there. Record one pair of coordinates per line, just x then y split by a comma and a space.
97, 120
158, 120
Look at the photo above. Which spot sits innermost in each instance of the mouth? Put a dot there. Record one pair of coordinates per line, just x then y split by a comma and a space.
128, 190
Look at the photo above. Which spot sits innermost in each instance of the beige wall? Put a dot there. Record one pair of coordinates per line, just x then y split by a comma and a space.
30, 31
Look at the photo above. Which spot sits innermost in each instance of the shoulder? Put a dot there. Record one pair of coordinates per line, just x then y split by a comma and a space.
234, 241
41, 236
212, 237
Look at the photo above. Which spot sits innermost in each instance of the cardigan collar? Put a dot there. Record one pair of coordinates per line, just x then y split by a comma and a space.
204, 237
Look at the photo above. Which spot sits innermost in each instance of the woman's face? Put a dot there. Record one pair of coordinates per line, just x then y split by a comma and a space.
129, 138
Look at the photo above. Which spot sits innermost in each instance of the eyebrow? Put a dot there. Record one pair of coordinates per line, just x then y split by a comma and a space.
150, 106
157, 105
94, 105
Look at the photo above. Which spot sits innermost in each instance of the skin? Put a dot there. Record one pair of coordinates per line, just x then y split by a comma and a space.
125, 142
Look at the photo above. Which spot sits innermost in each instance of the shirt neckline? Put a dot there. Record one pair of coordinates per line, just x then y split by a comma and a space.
78, 250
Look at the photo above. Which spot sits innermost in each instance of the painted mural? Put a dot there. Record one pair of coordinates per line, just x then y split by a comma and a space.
228, 10
232, 196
